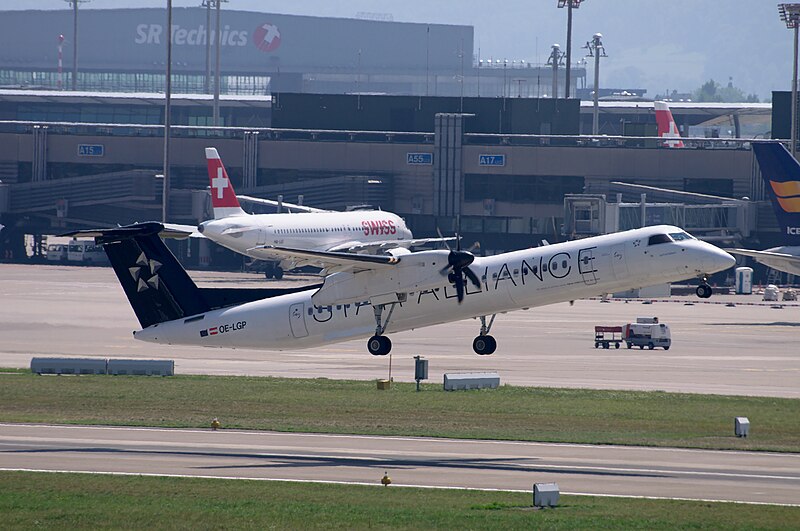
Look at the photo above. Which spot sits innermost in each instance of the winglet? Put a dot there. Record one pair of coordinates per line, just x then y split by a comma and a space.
666, 125
223, 197
781, 174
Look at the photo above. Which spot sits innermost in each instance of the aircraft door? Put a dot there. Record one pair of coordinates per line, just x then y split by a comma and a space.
262, 237
297, 320
586, 266
618, 263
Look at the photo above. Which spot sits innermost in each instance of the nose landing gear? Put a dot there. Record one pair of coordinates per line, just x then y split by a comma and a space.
704, 290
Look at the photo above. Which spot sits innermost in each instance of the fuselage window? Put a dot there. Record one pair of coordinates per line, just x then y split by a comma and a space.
544, 268
659, 238
535, 269
555, 266
564, 264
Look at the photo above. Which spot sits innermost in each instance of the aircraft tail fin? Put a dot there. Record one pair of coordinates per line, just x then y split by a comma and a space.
223, 197
781, 174
157, 286
667, 128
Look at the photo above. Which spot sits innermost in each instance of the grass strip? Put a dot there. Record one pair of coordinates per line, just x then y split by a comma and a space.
83, 501
357, 407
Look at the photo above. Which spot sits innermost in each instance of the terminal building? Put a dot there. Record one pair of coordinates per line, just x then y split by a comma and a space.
391, 131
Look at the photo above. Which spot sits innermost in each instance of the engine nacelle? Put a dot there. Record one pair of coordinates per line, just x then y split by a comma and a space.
414, 272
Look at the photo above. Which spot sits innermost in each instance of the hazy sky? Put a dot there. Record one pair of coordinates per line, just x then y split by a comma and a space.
653, 44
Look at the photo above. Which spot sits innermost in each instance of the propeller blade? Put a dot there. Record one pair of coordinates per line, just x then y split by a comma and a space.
459, 285
472, 277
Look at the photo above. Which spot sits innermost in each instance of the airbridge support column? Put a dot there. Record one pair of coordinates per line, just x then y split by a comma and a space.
448, 176
39, 158
250, 160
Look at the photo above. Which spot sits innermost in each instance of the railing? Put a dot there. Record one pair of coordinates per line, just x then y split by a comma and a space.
337, 135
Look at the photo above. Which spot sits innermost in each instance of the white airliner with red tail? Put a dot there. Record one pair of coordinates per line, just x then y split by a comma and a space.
370, 296
359, 231
667, 128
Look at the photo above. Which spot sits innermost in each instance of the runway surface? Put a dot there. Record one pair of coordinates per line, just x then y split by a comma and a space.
578, 469
749, 349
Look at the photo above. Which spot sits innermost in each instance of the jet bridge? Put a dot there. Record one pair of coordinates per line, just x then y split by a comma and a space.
710, 218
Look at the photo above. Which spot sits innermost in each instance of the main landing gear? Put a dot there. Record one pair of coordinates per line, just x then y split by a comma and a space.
485, 344
704, 290
379, 344
275, 272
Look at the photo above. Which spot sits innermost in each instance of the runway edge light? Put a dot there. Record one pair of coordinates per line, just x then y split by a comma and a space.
741, 426
545, 494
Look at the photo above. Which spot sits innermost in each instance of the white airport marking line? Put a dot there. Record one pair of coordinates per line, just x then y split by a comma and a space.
376, 484
402, 438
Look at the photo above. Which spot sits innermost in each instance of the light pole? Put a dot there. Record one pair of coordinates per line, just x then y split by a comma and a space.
217, 77
167, 122
74, 4
790, 14
596, 50
570, 5
556, 58
207, 84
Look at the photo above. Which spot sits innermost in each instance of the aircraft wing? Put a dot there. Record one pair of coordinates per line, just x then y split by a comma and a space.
764, 254
331, 261
789, 263
291, 207
372, 247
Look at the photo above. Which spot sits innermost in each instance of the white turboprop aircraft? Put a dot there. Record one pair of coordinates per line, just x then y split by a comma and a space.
781, 174
360, 231
373, 295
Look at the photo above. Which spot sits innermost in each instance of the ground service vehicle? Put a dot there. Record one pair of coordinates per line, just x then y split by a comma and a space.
647, 332
56, 252
86, 252
605, 336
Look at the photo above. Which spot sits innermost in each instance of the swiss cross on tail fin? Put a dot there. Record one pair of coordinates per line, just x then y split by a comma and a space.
223, 197
666, 125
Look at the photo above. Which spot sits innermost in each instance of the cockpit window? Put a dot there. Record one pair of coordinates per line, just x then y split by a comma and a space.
678, 236
659, 238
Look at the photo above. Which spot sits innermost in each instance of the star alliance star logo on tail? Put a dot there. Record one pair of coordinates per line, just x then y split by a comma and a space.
140, 271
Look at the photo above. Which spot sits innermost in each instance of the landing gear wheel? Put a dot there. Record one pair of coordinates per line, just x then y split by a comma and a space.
268, 274
703, 291
278, 273
484, 345
379, 345
651, 346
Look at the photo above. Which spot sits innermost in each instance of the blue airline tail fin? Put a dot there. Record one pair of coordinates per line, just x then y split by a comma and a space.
781, 174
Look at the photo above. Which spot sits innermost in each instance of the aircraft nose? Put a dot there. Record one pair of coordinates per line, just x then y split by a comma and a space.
717, 260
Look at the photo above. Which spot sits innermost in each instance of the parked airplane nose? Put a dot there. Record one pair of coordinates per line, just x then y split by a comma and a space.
717, 260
